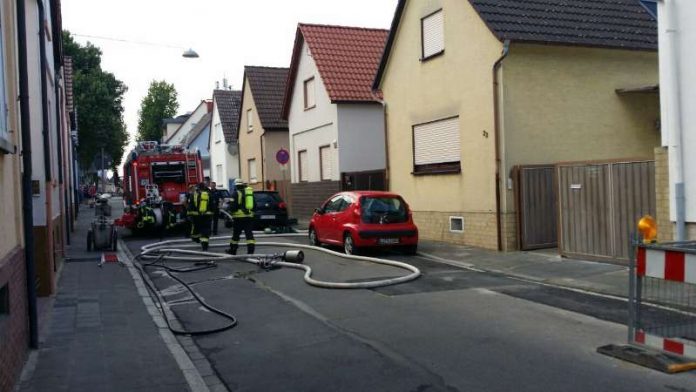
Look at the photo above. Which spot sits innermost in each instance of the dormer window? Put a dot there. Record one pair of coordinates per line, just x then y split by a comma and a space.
432, 35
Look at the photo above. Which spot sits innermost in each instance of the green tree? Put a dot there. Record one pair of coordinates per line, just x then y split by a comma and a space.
159, 103
99, 101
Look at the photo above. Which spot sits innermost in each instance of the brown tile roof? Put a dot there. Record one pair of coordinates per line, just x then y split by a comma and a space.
267, 86
229, 104
620, 24
347, 59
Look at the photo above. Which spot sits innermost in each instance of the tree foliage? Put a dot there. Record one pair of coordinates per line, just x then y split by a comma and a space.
99, 101
159, 103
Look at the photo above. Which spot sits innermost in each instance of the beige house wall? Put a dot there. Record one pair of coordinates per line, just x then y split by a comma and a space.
457, 83
250, 142
11, 232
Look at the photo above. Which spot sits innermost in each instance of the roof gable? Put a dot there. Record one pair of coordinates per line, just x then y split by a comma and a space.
198, 129
618, 24
228, 104
347, 59
267, 85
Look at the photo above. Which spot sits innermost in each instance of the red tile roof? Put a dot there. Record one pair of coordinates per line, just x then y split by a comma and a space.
347, 59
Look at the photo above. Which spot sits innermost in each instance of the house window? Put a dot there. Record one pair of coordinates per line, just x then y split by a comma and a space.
250, 121
218, 174
302, 165
252, 171
6, 145
325, 167
456, 224
436, 147
432, 35
218, 132
309, 101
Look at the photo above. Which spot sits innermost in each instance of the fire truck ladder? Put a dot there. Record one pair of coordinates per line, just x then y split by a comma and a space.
191, 178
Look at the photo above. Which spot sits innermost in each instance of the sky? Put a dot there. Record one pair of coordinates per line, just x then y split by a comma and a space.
227, 34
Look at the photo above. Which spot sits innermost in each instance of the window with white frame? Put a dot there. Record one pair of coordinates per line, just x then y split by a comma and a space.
302, 168
433, 34
218, 132
6, 144
252, 170
437, 147
250, 120
325, 162
309, 96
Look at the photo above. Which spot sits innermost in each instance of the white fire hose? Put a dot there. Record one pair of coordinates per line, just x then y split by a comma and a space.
182, 250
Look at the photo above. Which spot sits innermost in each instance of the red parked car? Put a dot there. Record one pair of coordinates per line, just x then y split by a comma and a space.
364, 219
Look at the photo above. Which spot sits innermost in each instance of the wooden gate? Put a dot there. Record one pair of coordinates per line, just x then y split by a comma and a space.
536, 208
599, 205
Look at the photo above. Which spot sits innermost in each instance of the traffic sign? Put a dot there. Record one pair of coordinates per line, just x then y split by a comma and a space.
283, 156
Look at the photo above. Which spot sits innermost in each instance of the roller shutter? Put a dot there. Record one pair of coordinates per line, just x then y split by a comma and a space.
433, 34
437, 142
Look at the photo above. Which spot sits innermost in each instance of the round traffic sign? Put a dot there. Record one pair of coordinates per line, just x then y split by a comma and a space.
283, 156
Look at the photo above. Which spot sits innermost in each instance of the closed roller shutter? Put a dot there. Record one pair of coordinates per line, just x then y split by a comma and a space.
437, 142
326, 167
433, 34
302, 162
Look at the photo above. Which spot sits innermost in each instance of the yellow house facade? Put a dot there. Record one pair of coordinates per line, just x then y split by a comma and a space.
262, 132
467, 101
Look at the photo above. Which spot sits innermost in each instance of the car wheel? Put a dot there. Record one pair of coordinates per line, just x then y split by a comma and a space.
411, 250
349, 245
313, 238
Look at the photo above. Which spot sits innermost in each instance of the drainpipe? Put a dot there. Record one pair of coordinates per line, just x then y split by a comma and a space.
496, 137
27, 198
386, 146
263, 161
674, 113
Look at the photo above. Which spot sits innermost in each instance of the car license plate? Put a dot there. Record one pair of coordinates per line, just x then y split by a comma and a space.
267, 216
388, 241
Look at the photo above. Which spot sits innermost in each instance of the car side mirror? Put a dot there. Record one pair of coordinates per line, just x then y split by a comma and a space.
319, 211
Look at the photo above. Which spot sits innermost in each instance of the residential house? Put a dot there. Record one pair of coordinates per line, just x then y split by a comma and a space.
171, 125
36, 183
224, 137
179, 136
197, 140
675, 160
335, 121
14, 320
49, 128
478, 89
263, 132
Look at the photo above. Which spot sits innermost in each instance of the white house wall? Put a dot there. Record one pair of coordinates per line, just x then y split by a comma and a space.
686, 82
313, 128
189, 124
219, 154
361, 137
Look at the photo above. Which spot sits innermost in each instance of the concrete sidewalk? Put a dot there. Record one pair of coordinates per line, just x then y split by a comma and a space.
539, 266
99, 335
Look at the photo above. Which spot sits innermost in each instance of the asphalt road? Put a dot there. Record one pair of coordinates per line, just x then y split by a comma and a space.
451, 330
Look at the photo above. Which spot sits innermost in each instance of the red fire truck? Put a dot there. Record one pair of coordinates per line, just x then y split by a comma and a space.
156, 178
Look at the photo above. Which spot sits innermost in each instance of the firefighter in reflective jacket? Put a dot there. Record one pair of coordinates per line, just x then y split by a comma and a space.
242, 211
190, 213
145, 215
202, 214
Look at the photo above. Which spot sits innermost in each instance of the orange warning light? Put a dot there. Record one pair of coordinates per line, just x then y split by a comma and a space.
648, 228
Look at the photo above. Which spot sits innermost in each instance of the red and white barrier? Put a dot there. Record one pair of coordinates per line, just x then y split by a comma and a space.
665, 344
667, 265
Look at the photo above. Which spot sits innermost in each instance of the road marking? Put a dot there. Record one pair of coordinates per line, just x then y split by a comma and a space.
191, 374
470, 267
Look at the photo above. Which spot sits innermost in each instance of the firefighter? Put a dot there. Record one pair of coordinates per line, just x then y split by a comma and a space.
216, 206
146, 216
191, 214
242, 211
203, 207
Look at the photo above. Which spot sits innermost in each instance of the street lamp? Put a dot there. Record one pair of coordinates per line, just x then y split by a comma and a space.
188, 53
